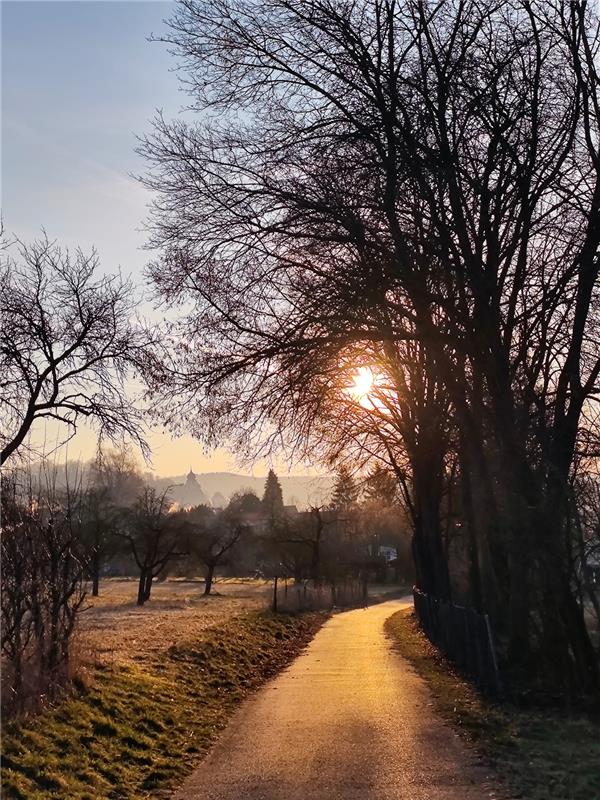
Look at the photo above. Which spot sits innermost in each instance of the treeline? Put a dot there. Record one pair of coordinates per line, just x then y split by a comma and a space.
411, 188
59, 540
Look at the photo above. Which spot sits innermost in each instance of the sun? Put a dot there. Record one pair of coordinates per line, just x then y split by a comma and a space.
363, 383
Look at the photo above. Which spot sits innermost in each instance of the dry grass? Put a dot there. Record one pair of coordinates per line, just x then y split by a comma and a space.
140, 727
114, 629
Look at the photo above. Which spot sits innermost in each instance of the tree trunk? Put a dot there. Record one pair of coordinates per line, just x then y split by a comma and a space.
95, 572
141, 598
428, 550
208, 580
148, 586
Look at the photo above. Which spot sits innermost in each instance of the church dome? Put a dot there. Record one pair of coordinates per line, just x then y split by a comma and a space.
190, 493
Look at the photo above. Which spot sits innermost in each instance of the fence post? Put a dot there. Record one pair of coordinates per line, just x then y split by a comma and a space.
493, 654
466, 641
468, 646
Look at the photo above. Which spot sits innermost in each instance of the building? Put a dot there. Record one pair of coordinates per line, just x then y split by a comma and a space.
189, 494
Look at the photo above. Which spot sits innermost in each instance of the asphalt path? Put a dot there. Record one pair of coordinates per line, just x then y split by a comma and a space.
348, 719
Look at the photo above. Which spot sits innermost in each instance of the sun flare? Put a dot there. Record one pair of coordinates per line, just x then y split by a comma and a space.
363, 383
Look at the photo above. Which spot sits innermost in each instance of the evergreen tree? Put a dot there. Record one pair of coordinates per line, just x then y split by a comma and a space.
381, 487
244, 502
345, 490
272, 501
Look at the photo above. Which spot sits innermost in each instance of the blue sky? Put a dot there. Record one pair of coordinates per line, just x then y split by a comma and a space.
79, 81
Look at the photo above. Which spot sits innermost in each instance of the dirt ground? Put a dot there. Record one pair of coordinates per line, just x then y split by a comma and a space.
113, 628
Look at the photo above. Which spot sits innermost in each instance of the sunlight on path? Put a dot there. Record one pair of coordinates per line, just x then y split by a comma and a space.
349, 719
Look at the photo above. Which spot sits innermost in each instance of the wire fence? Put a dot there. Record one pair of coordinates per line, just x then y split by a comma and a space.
463, 635
306, 596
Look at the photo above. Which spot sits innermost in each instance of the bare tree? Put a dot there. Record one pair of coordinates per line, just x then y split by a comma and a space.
415, 184
212, 537
70, 343
153, 536
43, 587
114, 484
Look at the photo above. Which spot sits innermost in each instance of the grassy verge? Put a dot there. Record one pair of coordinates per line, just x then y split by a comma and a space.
137, 730
541, 755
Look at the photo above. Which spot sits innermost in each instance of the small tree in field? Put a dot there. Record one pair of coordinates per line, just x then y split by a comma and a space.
115, 484
153, 537
212, 537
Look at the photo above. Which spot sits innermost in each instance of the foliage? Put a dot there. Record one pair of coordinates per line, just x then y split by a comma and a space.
345, 491
380, 486
245, 502
272, 500
138, 730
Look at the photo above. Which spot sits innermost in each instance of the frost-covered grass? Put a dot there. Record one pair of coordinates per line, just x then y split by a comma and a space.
113, 628
541, 755
138, 728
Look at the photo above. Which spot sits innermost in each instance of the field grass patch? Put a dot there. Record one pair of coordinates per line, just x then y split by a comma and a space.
137, 729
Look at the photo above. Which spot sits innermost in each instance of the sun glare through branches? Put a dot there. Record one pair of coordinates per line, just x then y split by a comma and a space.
363, 383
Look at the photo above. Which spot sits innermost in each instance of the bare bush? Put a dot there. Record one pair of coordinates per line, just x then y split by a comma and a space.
43, 591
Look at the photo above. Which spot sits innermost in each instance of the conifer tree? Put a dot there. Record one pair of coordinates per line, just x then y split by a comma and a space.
272, 501
381, 487
345, 490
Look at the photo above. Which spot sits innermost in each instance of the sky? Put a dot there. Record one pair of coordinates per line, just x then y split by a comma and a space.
79, 81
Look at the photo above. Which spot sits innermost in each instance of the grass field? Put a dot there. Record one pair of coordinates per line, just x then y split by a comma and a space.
540, 755
143, 723
113, 629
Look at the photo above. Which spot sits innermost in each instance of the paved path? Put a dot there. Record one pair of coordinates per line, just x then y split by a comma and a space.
348, 719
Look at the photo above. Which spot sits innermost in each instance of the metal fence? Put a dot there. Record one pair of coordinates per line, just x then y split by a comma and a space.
306, 596
463, 635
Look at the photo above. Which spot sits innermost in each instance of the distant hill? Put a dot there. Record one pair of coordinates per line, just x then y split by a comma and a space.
299, 490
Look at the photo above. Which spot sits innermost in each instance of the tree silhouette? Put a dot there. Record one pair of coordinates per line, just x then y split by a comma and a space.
70, 342
413, 187
153, 537
345, 491
272, 500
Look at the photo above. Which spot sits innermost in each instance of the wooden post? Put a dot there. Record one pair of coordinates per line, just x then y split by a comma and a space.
274, 606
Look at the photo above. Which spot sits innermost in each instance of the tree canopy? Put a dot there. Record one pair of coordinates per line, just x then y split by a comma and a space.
272, 500
412, 188
70, 343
